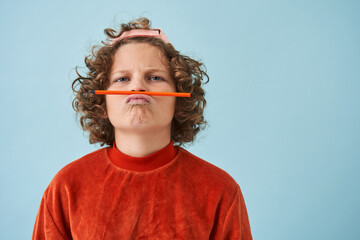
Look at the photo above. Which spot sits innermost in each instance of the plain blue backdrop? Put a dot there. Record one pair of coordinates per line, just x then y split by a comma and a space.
283, 103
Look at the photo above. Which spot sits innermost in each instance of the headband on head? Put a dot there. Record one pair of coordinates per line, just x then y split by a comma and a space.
155, 33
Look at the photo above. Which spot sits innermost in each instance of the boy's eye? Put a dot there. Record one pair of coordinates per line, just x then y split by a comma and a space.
156, 78
122, 79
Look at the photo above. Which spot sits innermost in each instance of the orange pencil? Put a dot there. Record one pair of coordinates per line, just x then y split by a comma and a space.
171, 94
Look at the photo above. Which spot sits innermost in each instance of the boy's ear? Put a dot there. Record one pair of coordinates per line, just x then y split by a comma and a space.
105, 115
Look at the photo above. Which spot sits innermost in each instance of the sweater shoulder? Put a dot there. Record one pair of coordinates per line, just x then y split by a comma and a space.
208, 171
88, 164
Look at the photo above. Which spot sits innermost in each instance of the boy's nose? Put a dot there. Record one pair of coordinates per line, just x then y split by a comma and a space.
138, 84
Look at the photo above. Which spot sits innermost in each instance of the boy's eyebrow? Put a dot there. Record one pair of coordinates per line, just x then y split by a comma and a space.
119, 71
155, 69
112, 73
148, 69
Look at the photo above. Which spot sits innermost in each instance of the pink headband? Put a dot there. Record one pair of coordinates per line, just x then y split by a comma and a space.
155, 33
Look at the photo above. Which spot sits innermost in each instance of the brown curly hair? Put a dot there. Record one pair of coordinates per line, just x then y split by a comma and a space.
188, 75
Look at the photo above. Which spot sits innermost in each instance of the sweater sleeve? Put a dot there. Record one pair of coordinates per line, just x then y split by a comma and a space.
236, 223
45, 226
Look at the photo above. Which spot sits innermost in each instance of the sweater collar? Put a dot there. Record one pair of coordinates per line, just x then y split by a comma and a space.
142, 164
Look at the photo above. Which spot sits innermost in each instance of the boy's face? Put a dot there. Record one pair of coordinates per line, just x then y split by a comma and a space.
140, 66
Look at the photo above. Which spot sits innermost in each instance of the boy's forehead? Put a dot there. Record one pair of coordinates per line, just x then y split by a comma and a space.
139, 55
138, 50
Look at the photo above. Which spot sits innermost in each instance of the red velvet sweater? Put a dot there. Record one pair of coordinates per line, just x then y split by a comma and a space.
170, 194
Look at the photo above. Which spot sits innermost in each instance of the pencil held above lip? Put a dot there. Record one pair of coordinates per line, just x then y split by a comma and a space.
173, 94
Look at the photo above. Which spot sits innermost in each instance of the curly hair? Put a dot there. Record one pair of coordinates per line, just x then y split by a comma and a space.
188, 75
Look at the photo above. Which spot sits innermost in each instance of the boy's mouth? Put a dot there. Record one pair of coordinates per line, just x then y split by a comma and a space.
138, 99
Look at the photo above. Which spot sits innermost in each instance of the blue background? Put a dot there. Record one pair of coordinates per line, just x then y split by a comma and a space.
283, 103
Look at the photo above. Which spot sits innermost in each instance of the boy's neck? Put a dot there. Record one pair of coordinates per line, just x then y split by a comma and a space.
141, 144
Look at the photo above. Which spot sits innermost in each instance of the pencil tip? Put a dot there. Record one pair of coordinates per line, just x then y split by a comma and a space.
92, 91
